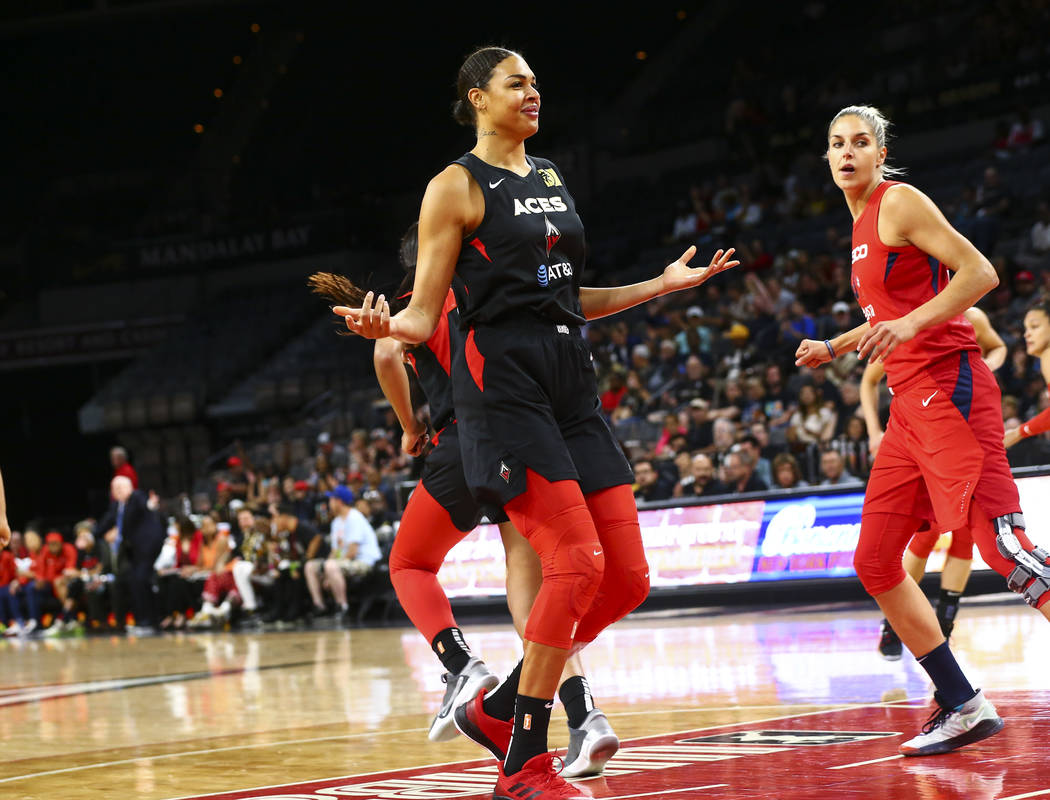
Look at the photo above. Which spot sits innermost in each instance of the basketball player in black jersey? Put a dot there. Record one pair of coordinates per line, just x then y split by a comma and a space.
531, 432
441, 511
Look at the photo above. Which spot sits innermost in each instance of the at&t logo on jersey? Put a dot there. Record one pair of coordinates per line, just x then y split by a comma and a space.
859, 252
545, 274
539, 205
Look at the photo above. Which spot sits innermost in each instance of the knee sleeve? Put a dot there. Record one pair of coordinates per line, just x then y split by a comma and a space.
625, 582
880, 550
553, 517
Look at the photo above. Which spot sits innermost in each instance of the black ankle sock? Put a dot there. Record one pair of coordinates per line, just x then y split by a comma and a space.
952, 686
500, 702
532, 717
451, 649
948, 605
575, 695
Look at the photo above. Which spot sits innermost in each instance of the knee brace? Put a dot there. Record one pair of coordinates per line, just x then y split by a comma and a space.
1030, 577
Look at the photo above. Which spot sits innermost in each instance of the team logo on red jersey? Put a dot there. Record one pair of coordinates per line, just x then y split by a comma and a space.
553, 234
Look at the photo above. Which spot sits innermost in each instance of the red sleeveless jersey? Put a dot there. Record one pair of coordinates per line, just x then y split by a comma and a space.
891, 281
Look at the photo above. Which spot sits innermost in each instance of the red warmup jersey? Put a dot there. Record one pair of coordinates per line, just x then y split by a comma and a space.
891, 281
7, 568
50, 566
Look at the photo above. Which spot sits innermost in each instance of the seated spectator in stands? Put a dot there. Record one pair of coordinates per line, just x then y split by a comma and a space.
786, 473
93, 560
335, 453
323, 476
649, 483
354, 551
684, 228
700, 481
666, 370
730, 401
741, 353
618, 349
754, 408
54, 567
177, 594
738, 472
1024, 294
299, 542
723, 434
1001, 140
672, 426
238, 478
849, 393
695, 337
20, 589
373, 505
779, 406
10, 584
853, 445
245, 557
750, 444
700, 434
840, 321
1040, 230
635, 402
691, 384
833, 470
813, 423
1024, 132
376, 481
213, 556
993, 204
118, 458
615, 390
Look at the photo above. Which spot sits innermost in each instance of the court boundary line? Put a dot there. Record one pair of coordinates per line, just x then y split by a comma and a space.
872, 761
834, 709
831, 710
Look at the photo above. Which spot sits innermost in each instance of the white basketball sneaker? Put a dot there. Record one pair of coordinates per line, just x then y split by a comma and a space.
460, 689
590, 746
951, 728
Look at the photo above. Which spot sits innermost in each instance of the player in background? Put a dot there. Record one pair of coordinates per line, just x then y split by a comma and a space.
532, 434
959, 560
1037, 344
944, 442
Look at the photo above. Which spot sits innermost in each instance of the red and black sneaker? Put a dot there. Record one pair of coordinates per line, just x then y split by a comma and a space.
537, 780
491, 733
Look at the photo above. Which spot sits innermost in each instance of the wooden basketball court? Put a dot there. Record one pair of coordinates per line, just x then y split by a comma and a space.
787, 703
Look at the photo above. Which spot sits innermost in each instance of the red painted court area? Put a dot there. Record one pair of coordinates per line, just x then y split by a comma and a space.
832, 755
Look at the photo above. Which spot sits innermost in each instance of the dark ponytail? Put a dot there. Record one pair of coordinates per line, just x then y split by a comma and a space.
475, 74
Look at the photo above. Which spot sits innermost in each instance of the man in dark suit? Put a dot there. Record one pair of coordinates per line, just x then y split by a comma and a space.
136, 534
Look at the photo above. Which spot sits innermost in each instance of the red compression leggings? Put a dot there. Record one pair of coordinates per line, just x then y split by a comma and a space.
922, 543
590, 549
883, 538
423, 540
582, 593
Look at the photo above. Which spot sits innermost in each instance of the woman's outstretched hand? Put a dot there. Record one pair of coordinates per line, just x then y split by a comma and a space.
371, 320
679, 275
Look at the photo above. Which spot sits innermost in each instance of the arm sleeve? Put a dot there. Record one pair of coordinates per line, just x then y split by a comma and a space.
1040, 423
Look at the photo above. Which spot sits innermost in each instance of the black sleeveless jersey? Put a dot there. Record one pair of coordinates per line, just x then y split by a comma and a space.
432, 362
526, 257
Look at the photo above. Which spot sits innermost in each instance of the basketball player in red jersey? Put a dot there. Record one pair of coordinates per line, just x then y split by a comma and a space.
957, 564
943, 444
531, 430
1037, 343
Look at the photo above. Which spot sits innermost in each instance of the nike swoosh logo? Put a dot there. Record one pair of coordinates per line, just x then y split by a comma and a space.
926, 402
597, 552
497, 183
549, 705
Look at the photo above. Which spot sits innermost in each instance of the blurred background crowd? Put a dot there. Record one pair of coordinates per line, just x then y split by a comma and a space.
156, 308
